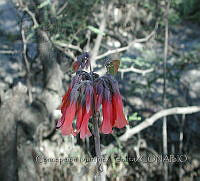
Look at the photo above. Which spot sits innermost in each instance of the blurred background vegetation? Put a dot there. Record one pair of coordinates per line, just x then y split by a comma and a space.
40, 39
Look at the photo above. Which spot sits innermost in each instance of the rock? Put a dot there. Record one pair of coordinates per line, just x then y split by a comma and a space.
9, 18
8, 79
191, 79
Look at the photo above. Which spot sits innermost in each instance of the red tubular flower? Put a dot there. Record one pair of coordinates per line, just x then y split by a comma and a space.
87, 112
120, 120
82, 122
77, 102
65, 100
85, 96
69, 115
113, 115
84, 131
80, 115
63, 107
106, 126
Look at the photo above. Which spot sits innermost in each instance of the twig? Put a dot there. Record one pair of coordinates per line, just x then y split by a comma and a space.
62, 8
116, 37
27, 66
66, 52
25, 8
65, 45
150, 121
164, 130
118, 50
109, 52
32, 15
181, 144
99, 38
9, 52
88, 36
139, 71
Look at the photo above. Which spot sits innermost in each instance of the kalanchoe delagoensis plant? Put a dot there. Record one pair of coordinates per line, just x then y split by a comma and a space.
88, 94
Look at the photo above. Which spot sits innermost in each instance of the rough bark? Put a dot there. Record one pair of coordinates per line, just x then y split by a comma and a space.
15, 112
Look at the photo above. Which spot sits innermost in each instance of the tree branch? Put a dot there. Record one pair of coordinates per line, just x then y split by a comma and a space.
62, 8
109, 52
164, 128
65, 45
99, 38
26, 9
150, 121
142, 40
139, 71
26, 62
9, 52
66, 52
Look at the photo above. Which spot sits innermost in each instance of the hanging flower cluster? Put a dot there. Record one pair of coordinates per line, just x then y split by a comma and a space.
86, 95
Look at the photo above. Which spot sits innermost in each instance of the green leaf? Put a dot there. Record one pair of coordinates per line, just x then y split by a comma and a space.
96, 30
134, 117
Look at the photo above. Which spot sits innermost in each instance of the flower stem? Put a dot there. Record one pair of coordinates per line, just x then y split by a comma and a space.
95, 118
97, 148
